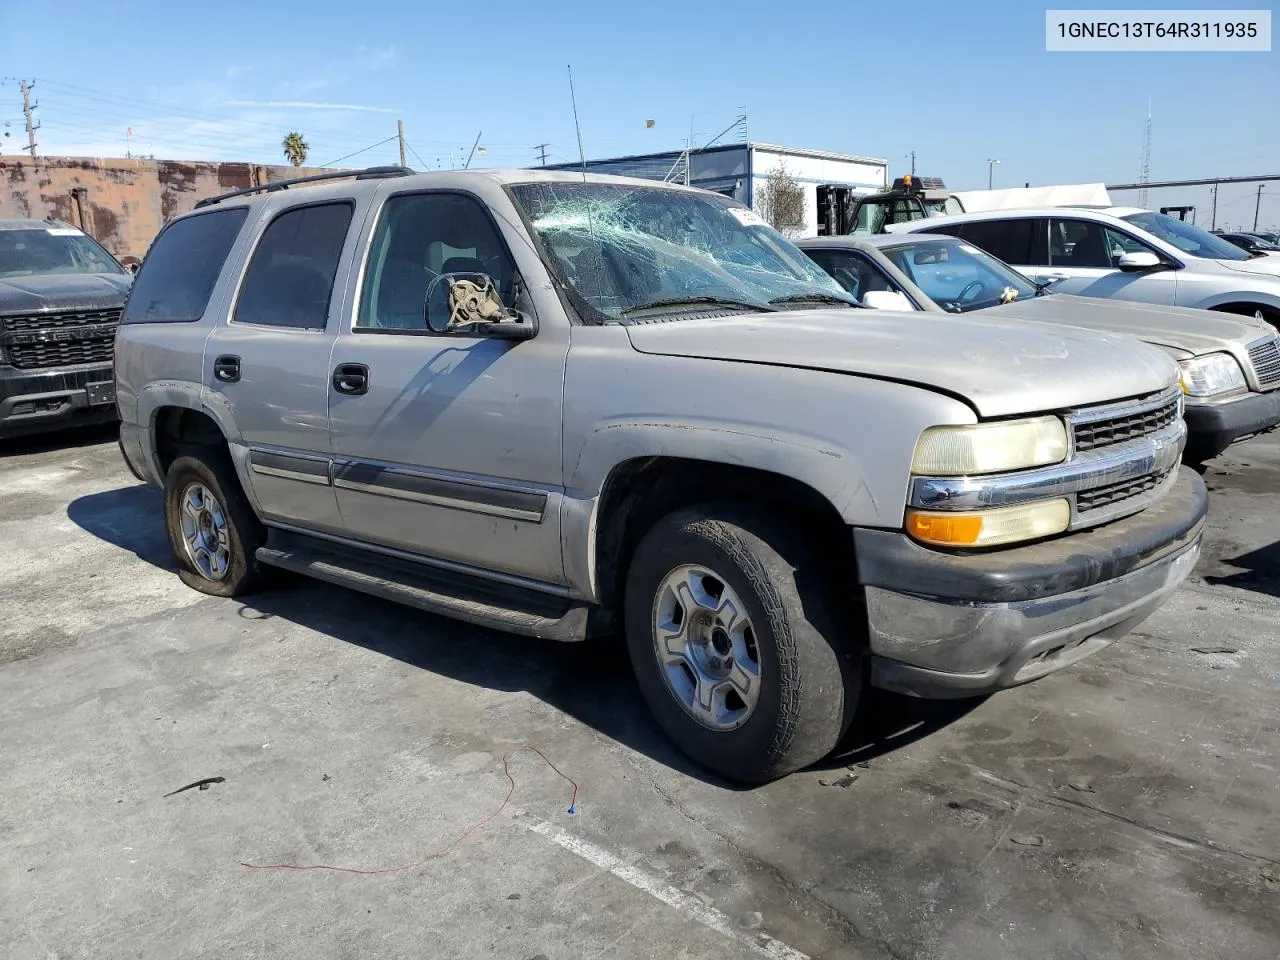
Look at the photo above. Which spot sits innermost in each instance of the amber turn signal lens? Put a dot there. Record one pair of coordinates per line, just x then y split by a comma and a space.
943, 528
987, 528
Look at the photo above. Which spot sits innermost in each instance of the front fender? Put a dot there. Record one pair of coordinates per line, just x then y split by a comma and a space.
848, 438
1243, 295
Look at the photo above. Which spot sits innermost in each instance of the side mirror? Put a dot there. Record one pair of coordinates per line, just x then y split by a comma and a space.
1142, 260
887, 300
468, 304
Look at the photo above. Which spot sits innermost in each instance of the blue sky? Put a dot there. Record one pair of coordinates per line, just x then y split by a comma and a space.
958, 83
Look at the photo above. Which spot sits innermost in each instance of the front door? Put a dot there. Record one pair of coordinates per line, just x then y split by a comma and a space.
269, 366
447, 446
1082, 260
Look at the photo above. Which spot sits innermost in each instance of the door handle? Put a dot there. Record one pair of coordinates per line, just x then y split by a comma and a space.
351, 379
226, 368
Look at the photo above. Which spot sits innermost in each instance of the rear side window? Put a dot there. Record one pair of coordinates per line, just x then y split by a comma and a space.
1009, 240
177, 277
290, 278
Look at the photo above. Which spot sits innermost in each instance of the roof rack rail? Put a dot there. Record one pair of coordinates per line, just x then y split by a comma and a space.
369, 173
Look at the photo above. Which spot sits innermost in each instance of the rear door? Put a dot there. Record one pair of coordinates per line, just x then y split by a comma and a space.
268, 365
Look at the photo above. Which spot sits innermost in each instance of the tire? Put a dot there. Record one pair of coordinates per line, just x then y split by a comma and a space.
226, 510
807, 666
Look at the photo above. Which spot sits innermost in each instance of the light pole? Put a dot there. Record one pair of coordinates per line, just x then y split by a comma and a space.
991, 165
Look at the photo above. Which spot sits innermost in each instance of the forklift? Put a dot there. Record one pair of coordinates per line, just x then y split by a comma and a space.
910, 198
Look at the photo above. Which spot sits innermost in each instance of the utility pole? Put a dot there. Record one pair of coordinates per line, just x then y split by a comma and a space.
991, 165
1214, 224
1257, 205
913, 163
400, 135
27, 107
541, 149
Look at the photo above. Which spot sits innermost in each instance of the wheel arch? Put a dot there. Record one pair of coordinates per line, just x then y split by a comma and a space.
641, 490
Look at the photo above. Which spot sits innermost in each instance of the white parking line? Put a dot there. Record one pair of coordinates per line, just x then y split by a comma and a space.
686, 903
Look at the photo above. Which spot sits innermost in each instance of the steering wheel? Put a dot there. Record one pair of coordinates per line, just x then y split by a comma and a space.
977, 286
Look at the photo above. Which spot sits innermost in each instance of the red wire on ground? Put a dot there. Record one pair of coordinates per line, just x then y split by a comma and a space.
437, 854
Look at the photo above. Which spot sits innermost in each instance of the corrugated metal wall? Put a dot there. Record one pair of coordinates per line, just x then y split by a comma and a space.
122, 203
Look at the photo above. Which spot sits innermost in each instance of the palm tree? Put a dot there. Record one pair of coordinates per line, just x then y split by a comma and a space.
295, 148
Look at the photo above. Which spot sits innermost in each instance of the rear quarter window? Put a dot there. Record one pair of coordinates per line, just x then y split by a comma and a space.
1013, 241
178, 274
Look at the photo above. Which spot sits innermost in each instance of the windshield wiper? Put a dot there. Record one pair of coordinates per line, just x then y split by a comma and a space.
694, 301
817, 296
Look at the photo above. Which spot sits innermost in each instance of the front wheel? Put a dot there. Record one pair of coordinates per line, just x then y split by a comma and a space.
736, 640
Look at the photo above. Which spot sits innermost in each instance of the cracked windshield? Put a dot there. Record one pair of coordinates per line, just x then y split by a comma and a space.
626, 252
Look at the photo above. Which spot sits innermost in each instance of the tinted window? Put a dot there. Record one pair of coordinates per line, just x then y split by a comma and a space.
1078, 243
290, 277
179, 272
418, 238
1007, 240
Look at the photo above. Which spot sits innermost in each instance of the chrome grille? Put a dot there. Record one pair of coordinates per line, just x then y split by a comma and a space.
1265, 357
1087, 500
41, 341
1092, 434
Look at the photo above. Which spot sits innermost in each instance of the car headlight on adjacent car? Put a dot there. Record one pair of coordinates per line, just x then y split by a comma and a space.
956, 451
1212, 375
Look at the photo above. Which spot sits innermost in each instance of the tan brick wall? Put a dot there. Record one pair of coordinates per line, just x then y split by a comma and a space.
125, 202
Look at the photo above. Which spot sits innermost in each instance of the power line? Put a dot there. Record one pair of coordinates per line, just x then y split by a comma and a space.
415, 155
358, 152
541, 150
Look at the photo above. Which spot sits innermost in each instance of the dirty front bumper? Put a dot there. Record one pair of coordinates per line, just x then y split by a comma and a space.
1212, 427
951, 625
33, 401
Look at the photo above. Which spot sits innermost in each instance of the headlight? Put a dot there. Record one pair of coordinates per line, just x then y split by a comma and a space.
1211, 375
987, 528
990, 447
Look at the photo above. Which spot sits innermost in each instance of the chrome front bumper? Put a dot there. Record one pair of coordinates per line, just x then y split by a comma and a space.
954, 625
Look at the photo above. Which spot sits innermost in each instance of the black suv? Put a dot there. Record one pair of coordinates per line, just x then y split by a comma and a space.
61, 295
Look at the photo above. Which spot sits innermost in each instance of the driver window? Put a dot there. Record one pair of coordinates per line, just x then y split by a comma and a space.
853, 272
418, 238
1121, 243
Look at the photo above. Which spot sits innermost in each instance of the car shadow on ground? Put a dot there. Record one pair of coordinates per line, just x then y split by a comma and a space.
1259, 571
37, 443
591, 682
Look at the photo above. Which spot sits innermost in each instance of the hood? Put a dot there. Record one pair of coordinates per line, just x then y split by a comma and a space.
56, 292
1184, 329
1266, 266
1002, 368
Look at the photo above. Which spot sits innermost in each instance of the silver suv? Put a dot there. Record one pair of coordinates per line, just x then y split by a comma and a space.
1123, 253
573, 407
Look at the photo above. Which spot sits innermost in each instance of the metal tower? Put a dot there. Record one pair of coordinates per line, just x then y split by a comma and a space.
1144, 175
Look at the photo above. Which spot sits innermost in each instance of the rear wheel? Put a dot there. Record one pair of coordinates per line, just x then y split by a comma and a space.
212, 528
734, 635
